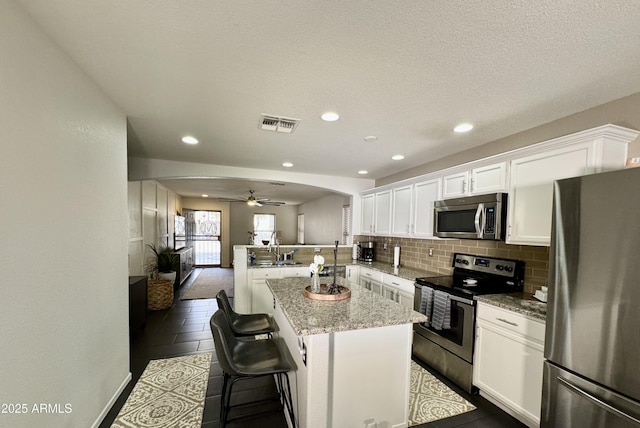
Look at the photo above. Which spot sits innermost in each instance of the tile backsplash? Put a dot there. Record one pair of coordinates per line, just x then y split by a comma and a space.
414, 253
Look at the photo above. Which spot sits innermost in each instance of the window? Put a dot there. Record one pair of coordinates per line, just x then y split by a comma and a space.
300, 228
346, 223
263, 226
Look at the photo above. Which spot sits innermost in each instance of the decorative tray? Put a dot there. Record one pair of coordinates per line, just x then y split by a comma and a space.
345, 293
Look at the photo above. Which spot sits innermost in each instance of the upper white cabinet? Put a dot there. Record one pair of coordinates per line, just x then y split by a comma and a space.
376, 213
425, 194
367, 213
527, 174
412, 208
382, 210
401, 210
532, 176
483, 179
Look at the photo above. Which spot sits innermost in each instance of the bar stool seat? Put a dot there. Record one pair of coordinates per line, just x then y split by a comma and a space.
245, 324
247, 359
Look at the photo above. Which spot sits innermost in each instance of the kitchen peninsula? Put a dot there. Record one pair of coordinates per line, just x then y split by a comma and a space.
353, 356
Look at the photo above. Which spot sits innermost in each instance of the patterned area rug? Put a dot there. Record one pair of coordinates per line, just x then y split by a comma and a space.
430, 399
209, 283
170, 393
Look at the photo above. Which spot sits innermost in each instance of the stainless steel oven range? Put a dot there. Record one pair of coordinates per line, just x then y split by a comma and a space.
446, 341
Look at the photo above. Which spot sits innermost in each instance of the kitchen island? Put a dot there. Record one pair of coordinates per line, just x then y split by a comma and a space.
353, 356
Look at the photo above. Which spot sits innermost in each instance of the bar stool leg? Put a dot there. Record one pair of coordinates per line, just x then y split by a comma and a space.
288, 403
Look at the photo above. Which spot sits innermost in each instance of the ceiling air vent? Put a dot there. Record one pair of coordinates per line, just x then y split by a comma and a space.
285, 125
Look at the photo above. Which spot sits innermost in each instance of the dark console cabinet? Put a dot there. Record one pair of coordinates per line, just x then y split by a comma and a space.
137, 302
186, 265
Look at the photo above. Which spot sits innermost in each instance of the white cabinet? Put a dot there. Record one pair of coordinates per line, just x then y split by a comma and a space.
412, 208
296, 272
532, 176
261, 296
455, 185
476, 181
376, 213
508, 361
425, 194
353, 274
371, 280
401, 218
398, 289
368, 206
382, 209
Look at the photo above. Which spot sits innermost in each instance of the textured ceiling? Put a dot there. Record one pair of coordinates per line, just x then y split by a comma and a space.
404, 71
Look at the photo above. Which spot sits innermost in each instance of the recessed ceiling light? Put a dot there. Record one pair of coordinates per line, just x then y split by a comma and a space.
287, 164
397, 157
363, 172
330, 116
463, 127
204, 195
189, 140
370, 138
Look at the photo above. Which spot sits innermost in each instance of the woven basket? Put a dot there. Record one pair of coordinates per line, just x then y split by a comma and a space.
159, 294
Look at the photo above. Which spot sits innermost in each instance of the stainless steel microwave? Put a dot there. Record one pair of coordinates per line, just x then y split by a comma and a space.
473, 217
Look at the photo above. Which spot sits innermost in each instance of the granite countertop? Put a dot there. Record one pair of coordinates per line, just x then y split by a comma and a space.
403, 272
362, 310
522, 303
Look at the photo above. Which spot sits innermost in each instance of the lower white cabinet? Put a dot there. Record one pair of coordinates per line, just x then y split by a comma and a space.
508, 361
261, 296
353, 274
398, 289
371, 280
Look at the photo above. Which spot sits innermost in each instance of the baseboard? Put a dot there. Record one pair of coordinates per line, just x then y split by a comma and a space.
112, 401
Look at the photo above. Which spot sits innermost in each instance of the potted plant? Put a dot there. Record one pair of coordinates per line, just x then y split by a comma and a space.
165, 263
162, 269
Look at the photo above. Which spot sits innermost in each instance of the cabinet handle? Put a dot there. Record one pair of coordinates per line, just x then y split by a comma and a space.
464, 185
515, 324
471, 187
395, 283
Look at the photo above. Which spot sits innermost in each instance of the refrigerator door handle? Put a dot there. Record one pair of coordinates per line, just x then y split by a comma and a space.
596, 400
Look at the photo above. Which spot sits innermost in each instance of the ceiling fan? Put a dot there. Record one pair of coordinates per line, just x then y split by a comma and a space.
252, 201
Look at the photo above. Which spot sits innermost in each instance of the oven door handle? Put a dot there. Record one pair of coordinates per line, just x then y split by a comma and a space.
460, 299
479, 221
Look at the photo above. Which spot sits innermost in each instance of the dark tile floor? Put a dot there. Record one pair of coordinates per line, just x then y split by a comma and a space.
183, 329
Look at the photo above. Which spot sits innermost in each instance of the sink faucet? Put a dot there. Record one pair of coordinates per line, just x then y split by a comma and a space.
276, 240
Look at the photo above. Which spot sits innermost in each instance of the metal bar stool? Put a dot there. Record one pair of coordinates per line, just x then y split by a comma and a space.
241, 359
245, 324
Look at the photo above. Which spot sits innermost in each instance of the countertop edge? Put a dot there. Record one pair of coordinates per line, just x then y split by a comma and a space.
521, 303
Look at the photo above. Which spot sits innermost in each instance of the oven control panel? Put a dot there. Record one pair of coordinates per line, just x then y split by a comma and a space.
483, 264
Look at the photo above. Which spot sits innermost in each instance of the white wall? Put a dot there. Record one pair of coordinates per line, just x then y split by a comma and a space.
242, 222
152, 211
323, 219
63, 186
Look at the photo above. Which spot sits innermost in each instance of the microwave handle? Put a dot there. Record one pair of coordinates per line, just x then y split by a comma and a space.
479, 221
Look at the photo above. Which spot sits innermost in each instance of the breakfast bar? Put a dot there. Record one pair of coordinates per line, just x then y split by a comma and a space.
353, 356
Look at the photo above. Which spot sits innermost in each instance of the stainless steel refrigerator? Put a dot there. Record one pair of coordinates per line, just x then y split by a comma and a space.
592, 348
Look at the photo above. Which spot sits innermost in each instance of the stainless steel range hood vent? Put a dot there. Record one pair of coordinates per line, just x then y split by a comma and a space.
285, 125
